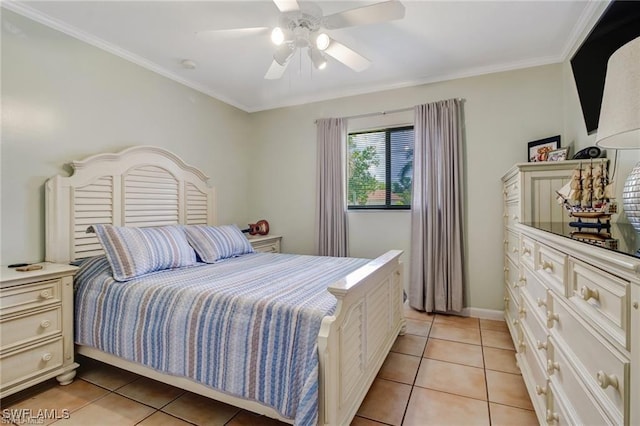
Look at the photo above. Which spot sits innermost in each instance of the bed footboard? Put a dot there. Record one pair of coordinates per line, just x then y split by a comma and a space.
354, 342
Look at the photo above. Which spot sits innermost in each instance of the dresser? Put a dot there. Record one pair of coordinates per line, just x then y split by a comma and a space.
266, 243
572, 310
36, 326
528, 191
578, 329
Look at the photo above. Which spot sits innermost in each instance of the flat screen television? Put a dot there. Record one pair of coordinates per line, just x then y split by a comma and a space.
619, 24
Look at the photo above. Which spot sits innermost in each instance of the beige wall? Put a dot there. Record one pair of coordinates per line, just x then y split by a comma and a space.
63, 100
502, 113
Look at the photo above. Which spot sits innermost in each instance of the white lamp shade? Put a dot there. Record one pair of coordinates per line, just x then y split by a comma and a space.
619, 124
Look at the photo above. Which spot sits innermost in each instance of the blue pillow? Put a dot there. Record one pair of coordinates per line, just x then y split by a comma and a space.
213, 243
133, 252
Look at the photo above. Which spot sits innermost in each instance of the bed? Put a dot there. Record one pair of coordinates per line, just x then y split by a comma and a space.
355, 325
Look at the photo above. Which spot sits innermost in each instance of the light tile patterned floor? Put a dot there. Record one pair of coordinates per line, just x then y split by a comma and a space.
446, 370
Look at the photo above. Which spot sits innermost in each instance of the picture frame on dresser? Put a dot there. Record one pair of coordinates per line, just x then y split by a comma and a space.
538, 150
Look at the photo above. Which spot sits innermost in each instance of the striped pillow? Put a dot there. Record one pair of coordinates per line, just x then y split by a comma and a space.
213, 243
133, 252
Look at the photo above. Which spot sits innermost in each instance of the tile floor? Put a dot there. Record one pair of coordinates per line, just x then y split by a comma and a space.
445, 371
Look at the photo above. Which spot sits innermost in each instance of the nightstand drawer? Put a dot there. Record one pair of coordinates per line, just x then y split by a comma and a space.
24, 364
602, 297
15, 299
22, 329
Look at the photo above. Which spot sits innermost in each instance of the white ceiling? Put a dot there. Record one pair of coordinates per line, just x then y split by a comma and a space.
437, 40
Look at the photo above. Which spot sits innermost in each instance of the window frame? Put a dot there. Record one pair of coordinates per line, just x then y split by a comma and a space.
387, 206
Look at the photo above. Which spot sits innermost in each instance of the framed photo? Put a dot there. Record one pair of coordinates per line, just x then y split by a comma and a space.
558, 154
539, 150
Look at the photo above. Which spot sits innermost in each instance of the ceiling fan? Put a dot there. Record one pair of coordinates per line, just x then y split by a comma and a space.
302, 25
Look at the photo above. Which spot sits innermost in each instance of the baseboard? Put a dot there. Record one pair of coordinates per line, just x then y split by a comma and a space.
491, 314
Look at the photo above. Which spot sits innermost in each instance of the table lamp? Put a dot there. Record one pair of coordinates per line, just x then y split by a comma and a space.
619, 124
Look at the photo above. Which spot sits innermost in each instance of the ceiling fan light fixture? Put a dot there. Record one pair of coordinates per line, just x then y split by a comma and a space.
317, 58
277, 36
283, 53
322, 41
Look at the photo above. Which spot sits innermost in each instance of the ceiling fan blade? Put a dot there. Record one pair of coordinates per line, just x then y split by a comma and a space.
233, 33
287, 5
350, 58
275, 71
378, 12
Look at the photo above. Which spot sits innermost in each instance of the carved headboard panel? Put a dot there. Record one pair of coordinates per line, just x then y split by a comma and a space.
140, 186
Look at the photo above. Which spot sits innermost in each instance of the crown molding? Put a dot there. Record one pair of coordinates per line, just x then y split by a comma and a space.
587, 20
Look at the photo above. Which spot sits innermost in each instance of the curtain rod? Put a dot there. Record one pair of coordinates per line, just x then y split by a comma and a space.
393, 111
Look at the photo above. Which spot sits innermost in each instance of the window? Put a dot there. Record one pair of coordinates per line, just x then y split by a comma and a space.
380, 169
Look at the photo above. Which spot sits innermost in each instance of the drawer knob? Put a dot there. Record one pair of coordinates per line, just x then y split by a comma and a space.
541, 345
514, 322
552, 417
514, 250
47, 357
605, 380
45, 324
551, 317
552, 366
522, 346
547, 266
505, 241
505, 215
541, 302
522, 311
586, 293
541, 390
506, 299
505, 269
526, 251
45, 294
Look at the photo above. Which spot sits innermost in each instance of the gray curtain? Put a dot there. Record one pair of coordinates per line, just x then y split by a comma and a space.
331, 217
436, 269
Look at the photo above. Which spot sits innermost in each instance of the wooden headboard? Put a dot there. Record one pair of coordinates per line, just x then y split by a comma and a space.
140, 186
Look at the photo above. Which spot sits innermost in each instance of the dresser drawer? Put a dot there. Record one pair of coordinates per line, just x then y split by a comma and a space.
527, 247
511, 314
602, 297
535, 330
512, 188
571, 388
22, 329
604, 370
26, 363
511, 246
534, 374
551, 267
511, 274
512, 213
29, 296
536, 291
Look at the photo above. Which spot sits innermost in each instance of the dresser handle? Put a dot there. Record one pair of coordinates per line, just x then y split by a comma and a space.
47, 357
552, 417
505, 241
552, 366
514, 250
551, 317
514, 322
506, 299
526, 251
45, 294
541, 302
605, 380
506, 215
45, 323
522, 346
547, 266
586, 293
540, 390
541, 345
522, 311
505, 269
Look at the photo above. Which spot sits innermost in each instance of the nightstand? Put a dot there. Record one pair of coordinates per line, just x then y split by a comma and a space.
36, 326
266, 243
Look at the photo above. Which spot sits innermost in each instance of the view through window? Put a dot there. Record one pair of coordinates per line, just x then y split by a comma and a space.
380, 169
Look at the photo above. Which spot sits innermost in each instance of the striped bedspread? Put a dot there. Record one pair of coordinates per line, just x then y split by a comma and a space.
247, 326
